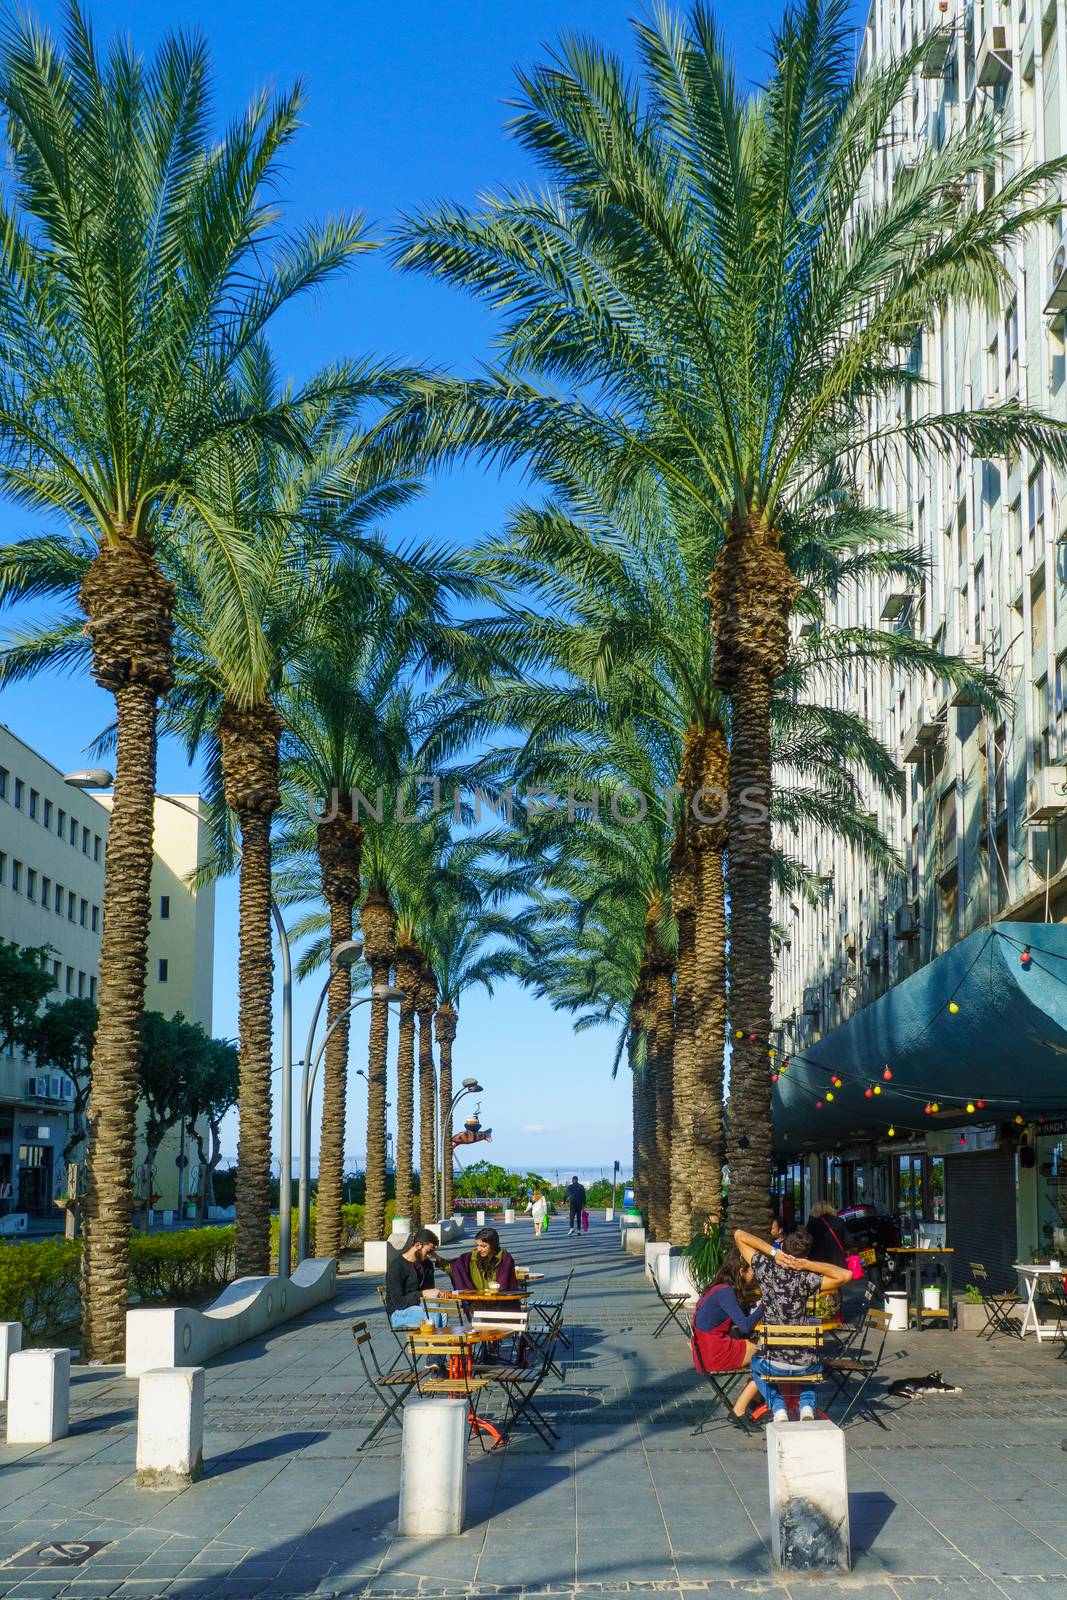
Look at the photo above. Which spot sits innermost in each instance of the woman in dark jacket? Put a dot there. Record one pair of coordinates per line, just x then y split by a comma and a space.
721, 1328
828, 1234
486, 1263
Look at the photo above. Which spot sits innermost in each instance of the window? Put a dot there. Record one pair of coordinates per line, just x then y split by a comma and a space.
96, 919
163, 969
3, 866
979, 603
16, 875
57, 971
47, 818
46, 893
59, 899
20, 789
92, 989
1041, 723
3, 783
72, 904
61, 821
81, 985
31, 883
96, 847
70, 980
74, 832
1035, 520
1011, 349
164, 907
83, 914
35, 801
85, 841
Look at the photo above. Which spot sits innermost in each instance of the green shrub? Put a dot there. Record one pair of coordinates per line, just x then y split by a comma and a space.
39, 1284
181, 1266
351, 1229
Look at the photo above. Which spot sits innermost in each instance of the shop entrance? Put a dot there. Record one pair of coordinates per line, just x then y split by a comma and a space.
35, 1179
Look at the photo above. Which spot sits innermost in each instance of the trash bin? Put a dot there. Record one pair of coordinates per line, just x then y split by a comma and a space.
896, 1308
932, 1297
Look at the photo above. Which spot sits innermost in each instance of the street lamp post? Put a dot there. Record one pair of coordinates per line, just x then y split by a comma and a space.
468, 1086
100, 778
343, 957
310, 1067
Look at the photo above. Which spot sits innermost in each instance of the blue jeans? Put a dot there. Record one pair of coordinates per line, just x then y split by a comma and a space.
763, 1371
415, 1316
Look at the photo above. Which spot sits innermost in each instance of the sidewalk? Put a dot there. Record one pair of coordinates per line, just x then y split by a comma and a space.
965, 1498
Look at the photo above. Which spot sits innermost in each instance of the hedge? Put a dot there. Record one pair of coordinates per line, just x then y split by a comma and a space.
39, 1282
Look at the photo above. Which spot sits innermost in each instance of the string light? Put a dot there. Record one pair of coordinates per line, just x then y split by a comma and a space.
774, 1077
1026, 958
927, 1108
836, 1081
818, 1105
934, 1106
981, 1105
953, 1007
877, 1088
970, 1105
1018, 1119
892, 1131
829, 1094
888, 1073
869, 1093
740, 1034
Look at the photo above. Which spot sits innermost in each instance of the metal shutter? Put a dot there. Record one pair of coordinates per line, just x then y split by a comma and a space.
980, 1215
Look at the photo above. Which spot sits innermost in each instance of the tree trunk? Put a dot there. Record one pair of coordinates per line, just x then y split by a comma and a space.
378, 924
339, 843
683, 902
128, 606
644, 1096
427, 1000
661, 1073
407, 978
709, 969
445, 1026
752, 593
249, 738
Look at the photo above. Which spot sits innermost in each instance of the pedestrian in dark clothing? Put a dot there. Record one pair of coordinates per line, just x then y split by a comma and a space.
828, 1235
575, 1193
408, 1277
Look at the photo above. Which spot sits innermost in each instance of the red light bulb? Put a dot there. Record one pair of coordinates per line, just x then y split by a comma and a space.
887, 1074
818, 1105
869, 1093
980, 1104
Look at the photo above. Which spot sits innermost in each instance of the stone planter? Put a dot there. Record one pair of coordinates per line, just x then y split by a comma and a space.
971, 1317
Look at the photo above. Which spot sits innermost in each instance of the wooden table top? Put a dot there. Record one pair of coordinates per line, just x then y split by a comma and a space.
478, 1294
465, 1336
923, 1249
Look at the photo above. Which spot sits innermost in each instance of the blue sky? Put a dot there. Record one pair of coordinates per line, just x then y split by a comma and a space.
405, 107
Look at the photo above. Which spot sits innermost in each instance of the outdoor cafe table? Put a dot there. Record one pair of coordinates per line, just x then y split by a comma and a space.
1032, 1272
916, 1255
461, 1365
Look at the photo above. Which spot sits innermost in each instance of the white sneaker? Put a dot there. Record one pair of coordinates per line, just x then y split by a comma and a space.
570, 1232
807, 1414
781, 1415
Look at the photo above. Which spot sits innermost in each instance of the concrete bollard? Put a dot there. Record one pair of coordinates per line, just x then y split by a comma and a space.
609, 1213
10, 1344
808, 1481
479, 1217
509, 1216
433, 1469
654, 1249
38, 1406
375, 1255
170, 1427
633, 1241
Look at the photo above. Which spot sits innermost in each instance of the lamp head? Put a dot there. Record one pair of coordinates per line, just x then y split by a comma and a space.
90, 778
346, 954
386, 991
472, 1086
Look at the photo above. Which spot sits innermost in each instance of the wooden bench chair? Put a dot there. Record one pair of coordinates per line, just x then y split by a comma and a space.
391, 1388
857, 1369
725, 1385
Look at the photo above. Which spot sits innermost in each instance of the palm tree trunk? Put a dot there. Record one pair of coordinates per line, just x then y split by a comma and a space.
644, 1095
709, 966
249, 739
339, 843
661, 1064
752, 594
406, 979
683, 903
445, 1026
128, 606
378, 924
427, 1000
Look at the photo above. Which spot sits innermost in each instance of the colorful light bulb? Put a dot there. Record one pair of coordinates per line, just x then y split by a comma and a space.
953, 1007
868, 1093
970, 1105
887, 1074
829, 1094
892, 1132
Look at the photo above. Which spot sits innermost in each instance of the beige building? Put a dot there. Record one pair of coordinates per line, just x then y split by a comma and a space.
53, 844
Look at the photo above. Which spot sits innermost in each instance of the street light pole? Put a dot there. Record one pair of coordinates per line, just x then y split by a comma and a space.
309, 1072
468, 1086
100, 778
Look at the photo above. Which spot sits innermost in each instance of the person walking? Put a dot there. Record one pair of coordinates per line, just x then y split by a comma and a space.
575, 1193
538, 1209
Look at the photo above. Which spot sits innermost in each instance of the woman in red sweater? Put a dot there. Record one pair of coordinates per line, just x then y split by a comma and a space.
721, 1328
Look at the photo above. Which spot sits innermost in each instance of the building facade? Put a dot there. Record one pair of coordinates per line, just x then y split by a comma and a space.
982, 829
53, 846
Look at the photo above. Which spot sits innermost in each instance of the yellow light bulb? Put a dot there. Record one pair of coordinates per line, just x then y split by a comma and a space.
953, 1007
878, 1088
970, 1105
934, 1106
739, 1034
892, 1133
829, 1094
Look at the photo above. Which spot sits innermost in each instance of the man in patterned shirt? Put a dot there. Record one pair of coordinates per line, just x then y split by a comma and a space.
786, 1278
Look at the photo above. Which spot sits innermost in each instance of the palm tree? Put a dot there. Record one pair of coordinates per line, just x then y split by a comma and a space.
733, 308
133, 279
425, 1009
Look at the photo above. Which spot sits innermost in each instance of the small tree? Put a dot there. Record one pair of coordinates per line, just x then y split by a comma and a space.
171, 1048
212, 1091
63, 1038
25, 982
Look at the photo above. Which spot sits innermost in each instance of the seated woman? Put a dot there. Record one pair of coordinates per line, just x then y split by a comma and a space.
486, 1263
786, 1278
721, 1329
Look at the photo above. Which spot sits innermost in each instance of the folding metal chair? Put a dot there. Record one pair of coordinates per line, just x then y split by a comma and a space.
674, 1305
726, 1386
1001, 1307
444, 1350
551, 1311
399, 1334
392, 1387
520, 1385
845, 1337
859, 1368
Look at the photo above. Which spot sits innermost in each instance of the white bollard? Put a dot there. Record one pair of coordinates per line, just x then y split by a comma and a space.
433, 1469
808, 1482
633, 1241
653, 1250
479, 1217
10, 1344
170, 1427
609, 1213
509, 1216
375, 1255
38, 1406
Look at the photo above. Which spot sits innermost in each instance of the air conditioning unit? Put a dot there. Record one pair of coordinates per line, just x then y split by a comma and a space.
936, 54
897, 600
964, 695
1046, 795
926, 731
993, 66
1057, 280
905, 923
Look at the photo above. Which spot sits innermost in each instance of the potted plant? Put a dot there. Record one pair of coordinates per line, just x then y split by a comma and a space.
970, 1310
